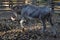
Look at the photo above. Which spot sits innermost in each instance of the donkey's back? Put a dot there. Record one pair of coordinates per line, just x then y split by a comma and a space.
35, 11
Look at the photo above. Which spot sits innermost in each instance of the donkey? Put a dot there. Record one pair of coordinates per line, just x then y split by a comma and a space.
33, 12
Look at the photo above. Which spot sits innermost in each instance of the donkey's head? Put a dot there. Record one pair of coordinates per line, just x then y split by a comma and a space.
17, 9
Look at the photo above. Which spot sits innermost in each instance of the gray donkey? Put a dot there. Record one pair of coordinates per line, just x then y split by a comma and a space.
32, 12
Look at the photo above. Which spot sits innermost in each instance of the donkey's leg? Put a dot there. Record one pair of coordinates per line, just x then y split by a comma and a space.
44, 25
53, 29
21, 23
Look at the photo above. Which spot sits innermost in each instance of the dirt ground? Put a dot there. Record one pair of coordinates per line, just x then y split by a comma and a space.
11, 30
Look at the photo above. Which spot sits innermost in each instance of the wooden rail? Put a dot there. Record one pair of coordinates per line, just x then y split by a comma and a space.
6, 5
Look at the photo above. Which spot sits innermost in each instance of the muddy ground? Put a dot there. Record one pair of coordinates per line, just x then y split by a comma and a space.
11, 30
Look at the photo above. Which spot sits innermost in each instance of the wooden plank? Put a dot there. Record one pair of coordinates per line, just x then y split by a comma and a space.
13, 2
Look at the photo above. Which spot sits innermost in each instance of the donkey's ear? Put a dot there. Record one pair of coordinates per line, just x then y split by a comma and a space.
13, 7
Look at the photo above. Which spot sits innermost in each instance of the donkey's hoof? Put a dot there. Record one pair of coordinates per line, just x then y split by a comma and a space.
55, 36
43, 31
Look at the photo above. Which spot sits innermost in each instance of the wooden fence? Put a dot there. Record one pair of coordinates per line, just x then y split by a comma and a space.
57, 11
4, 6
